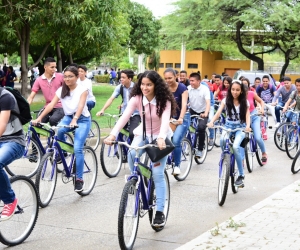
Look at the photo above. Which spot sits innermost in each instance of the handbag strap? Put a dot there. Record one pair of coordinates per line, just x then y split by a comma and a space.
144, 121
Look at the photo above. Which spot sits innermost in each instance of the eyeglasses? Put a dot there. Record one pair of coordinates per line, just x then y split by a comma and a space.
68, 77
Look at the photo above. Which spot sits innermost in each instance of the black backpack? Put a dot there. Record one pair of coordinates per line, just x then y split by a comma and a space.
23, 105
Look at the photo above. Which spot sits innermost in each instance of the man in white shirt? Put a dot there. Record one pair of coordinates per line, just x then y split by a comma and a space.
199, 98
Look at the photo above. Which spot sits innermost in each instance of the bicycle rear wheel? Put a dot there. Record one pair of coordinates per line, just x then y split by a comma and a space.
90, 171
28, 164
223, 179
279, 135
128, 218
258, 154
186, 160
93, 138
68, 139
292, 142
204, 151
209, 148
152, 203
46, 179
249, 155
18, 228
111, 159
296, 163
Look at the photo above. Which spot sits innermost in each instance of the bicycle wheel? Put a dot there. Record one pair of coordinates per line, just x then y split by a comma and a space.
258, 154
152, 203
28, 164
68, 139
204, 151
296, 163
111, 159
186, 160
90, 171
223, 179
46, 179
218, 132
93, 138
291, 142
128, 218
249, 156
279, 135
233, 176
17, 229
209, 148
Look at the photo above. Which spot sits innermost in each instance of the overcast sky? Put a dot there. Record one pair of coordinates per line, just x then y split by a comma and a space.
159, 8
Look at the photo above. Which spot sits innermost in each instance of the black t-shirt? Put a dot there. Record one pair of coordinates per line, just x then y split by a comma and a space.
7, 102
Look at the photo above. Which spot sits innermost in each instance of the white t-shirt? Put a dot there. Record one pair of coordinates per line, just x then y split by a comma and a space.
70, 103
235, 117
88, 84
198, 97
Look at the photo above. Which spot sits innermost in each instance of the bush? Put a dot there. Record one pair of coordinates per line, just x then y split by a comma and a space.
102, 78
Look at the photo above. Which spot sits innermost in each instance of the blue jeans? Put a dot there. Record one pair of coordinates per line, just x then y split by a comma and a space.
210, 116
237, 149
112, 81
179, 133
90, 105
9, 151
277, 112
255, 125
81, 133
157, 172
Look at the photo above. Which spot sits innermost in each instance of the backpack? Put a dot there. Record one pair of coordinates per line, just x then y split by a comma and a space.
121, 93
23, 105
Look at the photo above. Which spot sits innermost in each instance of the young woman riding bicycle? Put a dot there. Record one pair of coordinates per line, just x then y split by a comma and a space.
237, 116
159, 104
183, 119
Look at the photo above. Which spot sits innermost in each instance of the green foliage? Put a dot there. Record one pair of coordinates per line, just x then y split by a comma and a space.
154, 59
102, 78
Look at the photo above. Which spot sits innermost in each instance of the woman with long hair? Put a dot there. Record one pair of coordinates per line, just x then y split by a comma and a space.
221, 92
152, 93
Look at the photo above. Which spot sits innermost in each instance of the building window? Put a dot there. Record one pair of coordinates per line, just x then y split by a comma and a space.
161, 65
177, 65
169, 65
192, 66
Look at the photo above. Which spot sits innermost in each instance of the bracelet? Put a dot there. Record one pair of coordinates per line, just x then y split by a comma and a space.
75, 117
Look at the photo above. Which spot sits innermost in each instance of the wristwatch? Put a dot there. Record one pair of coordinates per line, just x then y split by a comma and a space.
75, 117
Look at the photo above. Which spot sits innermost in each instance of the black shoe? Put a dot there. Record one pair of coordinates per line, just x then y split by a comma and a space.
58, 158
240, 181
79, 185
33, 158
159, 219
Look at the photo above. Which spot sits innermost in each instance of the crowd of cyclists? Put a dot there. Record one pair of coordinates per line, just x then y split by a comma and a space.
167, 104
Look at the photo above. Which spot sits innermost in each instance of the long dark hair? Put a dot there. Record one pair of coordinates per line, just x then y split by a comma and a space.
161, 92
228, 79
242, 100
65, 89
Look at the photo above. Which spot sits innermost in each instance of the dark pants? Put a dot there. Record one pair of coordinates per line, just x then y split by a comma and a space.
201, 129
134, 122
54, 116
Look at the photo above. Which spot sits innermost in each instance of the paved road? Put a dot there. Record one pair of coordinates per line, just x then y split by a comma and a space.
74, 222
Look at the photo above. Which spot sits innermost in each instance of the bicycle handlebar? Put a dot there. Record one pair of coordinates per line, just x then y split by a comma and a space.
228, 130
54, 127
197, 116
110, 115
135, 147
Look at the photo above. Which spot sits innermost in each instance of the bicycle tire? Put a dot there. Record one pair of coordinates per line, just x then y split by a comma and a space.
204, 151
152, 201
279, 135
93, 138
46, 179
258, 154
186, 160
233, 176
209, 148
249, 157
129, 205
292, 142
111, 159
18, 228
28, 164
223, 179
68, 139
90, 171
295, 168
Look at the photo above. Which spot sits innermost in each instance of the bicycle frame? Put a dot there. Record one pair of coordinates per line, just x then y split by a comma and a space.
227, 150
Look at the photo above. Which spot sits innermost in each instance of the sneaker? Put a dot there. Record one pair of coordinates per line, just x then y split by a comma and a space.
79, 185
176, 171
210, 142
9, 210
265, 136
277, 124
198, 154
159, 219
240, 181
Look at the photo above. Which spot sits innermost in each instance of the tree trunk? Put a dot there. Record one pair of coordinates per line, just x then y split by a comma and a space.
24, 51
70, 58
286, 62
59, 59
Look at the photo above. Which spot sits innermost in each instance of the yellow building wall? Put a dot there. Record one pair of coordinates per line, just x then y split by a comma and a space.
231, 66
293, 77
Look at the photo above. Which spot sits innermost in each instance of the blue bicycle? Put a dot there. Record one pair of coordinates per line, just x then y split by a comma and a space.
292, 138
139, 198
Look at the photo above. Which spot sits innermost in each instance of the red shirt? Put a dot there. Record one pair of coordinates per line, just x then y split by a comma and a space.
212, 86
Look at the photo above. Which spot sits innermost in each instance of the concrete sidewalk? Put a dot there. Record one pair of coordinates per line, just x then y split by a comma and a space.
271, 223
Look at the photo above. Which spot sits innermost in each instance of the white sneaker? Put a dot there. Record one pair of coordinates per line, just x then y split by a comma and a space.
277, 124
176, 171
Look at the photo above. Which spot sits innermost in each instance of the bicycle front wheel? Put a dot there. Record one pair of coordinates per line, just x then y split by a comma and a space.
128, 218
296, 163
93, 138
186, 159
28, 164
153, 202
111, 159
292, 142
223, 179
209, 148
249, 157
46, 179
204, 151
280, 134
18, 228
90, 171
